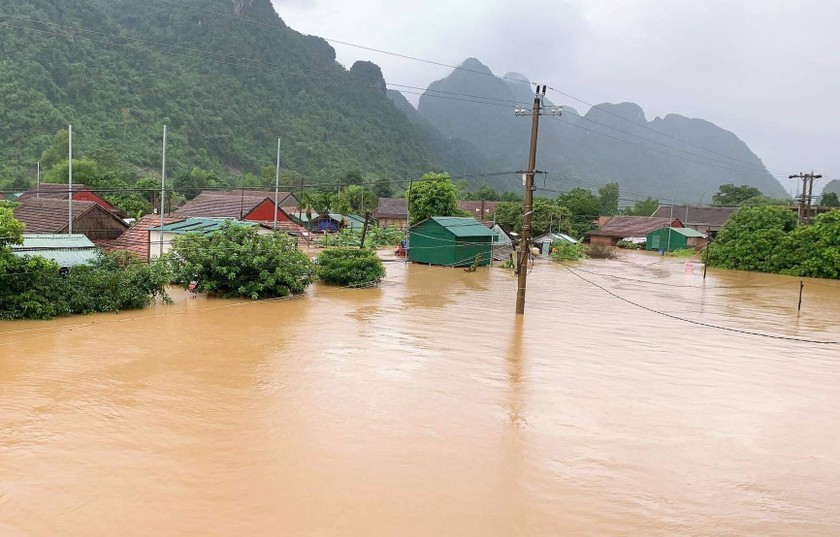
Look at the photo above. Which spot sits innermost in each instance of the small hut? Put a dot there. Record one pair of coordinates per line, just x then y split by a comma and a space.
450, 241
675, 238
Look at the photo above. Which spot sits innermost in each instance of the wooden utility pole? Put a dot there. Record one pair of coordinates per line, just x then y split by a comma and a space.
364, 229
524, 240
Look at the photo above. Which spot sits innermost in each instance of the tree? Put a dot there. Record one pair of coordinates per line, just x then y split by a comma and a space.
830, 200
350, 267
11, 229
435, 195
729, 195
646, 207
57, 151
584, 206
383, 188
354, 177
484, 192
359, 199
814, 250
754, 238
238, 262
608, 196
548, 216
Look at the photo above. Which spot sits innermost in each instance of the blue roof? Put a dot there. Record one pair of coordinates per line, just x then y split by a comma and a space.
199, 225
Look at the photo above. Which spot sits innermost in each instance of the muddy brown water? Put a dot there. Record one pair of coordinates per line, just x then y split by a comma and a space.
425, 407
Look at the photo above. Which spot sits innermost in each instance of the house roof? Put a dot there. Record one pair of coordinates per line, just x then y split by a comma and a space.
50, 215
199, 225
283, 197
697, 215
59, 191
474, 208
215, 204
631, 226
685, 232
136, 238
66, 250
461, 226
290, 228
392, 208
553, 237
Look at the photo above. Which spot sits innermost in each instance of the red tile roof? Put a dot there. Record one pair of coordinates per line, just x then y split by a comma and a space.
633, 226
136, 238
59, 191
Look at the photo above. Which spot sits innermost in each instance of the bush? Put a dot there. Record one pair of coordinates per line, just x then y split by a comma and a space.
236, 261
627, 245
567, 251
377, 237
350, 267
682, 252
33, 288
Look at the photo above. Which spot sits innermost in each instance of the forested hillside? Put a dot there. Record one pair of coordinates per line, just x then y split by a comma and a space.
118, 70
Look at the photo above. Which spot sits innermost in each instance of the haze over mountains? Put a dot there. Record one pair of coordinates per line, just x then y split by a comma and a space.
228, 87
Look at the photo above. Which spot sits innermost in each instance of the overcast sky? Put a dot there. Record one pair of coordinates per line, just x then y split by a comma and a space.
765, 69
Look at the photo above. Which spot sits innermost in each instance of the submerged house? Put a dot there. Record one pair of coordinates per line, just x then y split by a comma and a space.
66, 250
392, 212
450, 241
544, 241
708, 220
675, 238
160, 238
628, 227
51, 216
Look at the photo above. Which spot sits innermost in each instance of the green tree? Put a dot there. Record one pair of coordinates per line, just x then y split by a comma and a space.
350, 267
238, 262
830, 200
383, 188
484, 192
814, 250
359, 199
435, 195
11, 229
754, 238
729, 195
584, 207
608, 197
57, 151
645, 207
354, 177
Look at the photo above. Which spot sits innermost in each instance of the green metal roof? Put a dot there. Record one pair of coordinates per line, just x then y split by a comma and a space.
199, 225
687, 232
66, 250
464, 226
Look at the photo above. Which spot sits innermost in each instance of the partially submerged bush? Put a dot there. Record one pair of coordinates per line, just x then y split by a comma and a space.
627, 245
682, 252
599, 251
350, 267
33, 287
236, 261
567, 251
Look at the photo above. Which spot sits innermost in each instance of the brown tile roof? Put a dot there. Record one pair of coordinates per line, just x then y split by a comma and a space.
284, 197
392, 208
474, 208
714, 217
136, 238
632, 226
53, 191
210, 204
288, 227
49, 215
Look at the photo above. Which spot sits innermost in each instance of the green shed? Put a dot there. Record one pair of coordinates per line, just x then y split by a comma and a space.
450, 241
674, 238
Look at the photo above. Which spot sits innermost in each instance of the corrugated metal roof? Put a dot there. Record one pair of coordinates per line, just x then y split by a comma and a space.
687, 232
199, 225
66, 250
554, 237
37, 240
463, 226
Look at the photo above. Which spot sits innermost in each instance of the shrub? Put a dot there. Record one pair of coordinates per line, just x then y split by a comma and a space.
350, 267
627, 245
567, 251
236, 261
682, 252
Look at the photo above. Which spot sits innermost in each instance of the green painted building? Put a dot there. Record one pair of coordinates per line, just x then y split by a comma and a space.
450, 241
674, 238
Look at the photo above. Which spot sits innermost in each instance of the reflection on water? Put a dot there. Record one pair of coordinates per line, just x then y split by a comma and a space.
425, 407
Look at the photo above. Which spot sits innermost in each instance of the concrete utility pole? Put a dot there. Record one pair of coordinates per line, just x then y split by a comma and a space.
38, 182
277, 184
70, 179
807, 195
524, 247
162, 192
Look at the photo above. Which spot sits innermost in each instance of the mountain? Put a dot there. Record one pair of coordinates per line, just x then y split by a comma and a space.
228, 77
674, 157
832, 186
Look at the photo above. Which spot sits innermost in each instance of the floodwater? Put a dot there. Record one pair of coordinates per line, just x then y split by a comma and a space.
425, 407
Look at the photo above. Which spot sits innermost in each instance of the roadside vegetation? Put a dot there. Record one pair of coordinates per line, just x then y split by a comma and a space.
567, 251
350, 267
377, 237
